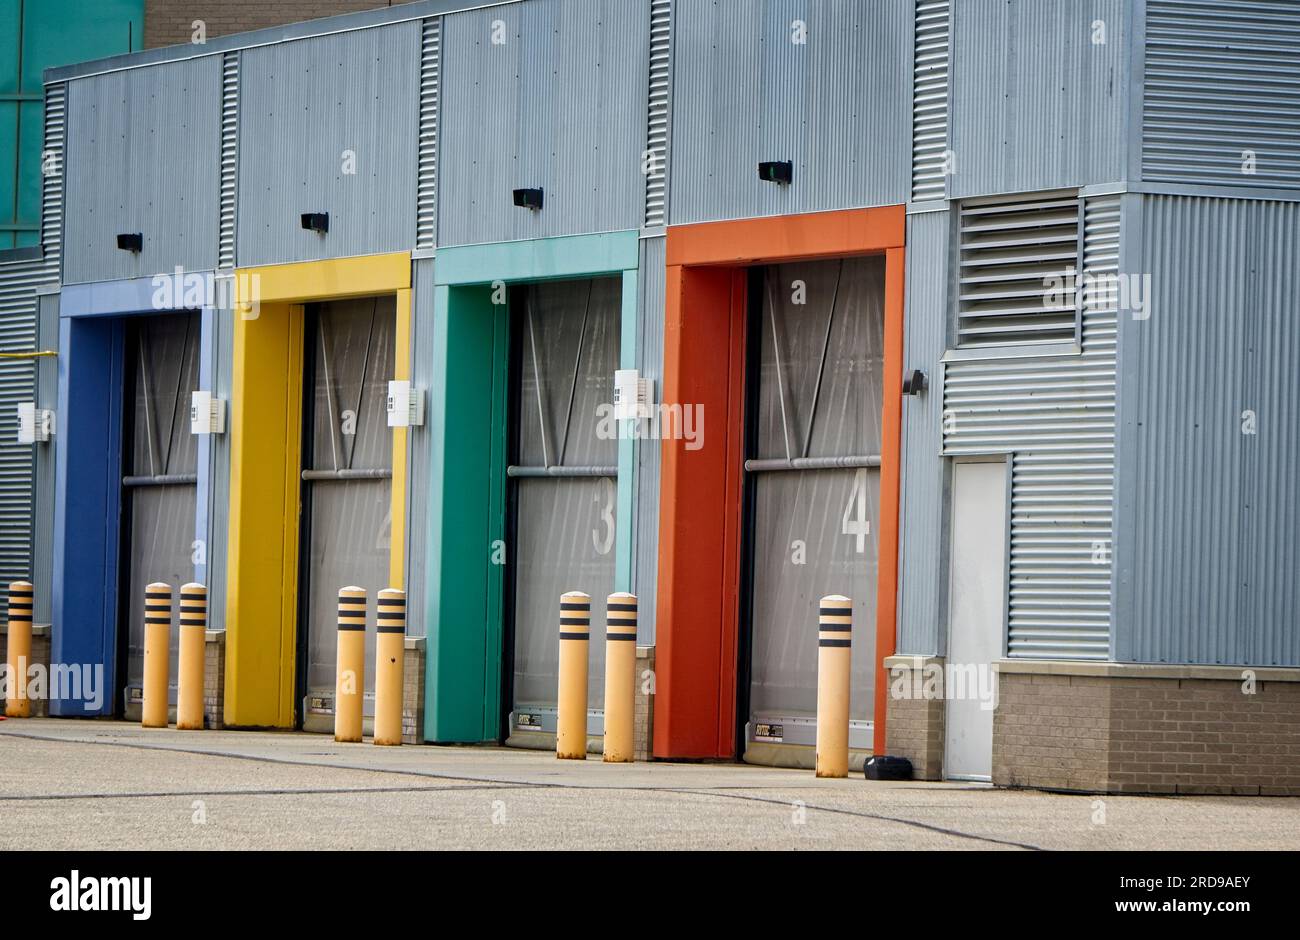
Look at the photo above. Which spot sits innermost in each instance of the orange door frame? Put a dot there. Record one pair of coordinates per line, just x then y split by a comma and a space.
700, 486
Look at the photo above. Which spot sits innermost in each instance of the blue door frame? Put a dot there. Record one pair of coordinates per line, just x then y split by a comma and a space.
88, 476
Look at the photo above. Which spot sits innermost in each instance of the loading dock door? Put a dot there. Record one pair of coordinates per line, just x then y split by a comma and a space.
159, 479
564, 474
347, 483
812, 484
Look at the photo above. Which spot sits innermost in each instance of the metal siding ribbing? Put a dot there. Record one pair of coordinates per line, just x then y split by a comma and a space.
1222, 78
921, 499
929, 100
151, 145
1056, 415
571, 73
650, 359
223, 356
426, 189
419, 448
308, 104
47, 394
1207, 557
656, 184
1035, 103
18, 307
20, 318
56, 113
229, 157
837, 107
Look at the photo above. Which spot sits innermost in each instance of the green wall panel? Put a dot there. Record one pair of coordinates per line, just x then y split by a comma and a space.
36, 35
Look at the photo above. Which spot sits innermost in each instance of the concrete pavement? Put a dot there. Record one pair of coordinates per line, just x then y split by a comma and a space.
109, 785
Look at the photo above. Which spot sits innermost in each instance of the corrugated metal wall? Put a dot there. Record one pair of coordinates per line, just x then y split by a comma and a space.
47, 394
1056, 414
1220, 85
29, 321
930, 100
419, 449
149, 146
650, 361
1035, 102
659, 112
18, 306
922, 544
745, 90
1207, 554
426, 203
317, 109
220, 364
229, 159
558, 104
52, 187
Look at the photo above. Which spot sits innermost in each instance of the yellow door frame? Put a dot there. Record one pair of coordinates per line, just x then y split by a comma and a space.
266, 464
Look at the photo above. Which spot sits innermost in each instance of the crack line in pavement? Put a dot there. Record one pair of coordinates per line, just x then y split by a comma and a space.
864, 815
275, 791
519, 784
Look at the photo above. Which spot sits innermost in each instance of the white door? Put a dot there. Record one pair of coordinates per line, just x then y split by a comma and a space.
976, 602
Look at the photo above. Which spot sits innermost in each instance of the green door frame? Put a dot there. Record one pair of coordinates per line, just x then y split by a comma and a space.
467, 472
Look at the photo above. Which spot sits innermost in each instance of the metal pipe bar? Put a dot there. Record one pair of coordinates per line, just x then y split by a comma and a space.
161, 479
556, 471
347, 474
775, 464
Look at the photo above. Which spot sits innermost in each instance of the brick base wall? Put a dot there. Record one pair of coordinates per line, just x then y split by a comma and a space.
40, 708
214, 679
1173, 733
644, 704
413, 691
170, 22
914, 724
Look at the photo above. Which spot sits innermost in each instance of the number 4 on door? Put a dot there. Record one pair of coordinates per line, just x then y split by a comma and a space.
855, 513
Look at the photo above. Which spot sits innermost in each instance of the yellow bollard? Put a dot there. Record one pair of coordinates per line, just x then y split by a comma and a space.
834, 657
193, 630
19, 656
620, 678
575, 636
157, 643
350, 687
390, 647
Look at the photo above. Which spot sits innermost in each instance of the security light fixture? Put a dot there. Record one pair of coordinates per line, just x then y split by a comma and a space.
131, 242
914, 383
316, 222
776, 171
528, 198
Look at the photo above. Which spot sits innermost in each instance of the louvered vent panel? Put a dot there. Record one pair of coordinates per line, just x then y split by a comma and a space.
229, 158
56, 107
657, 119
426, 216
1016, 273
930, 100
